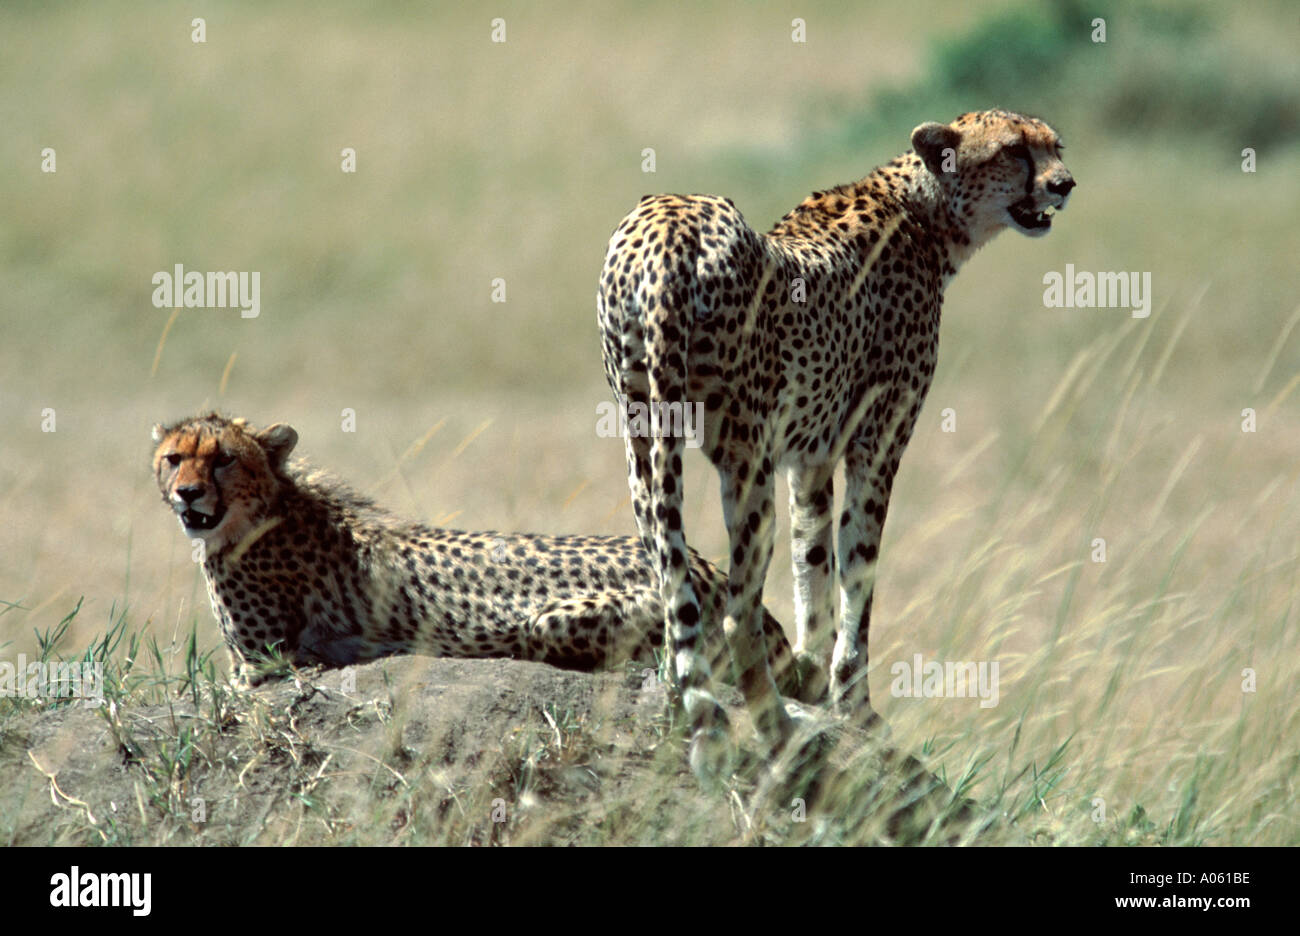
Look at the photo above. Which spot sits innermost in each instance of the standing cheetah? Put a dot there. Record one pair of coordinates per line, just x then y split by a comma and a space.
297, 562
808, 344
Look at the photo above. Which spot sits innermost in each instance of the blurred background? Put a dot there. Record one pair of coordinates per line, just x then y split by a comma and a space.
478, 160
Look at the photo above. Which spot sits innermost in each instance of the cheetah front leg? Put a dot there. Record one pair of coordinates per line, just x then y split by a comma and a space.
866, 498
747, 507
812, 554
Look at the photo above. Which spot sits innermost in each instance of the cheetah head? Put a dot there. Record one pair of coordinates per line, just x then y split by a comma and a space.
996, 169
220, 476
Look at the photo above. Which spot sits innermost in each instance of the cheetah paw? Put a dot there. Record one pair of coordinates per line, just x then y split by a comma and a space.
712, 758
811, 676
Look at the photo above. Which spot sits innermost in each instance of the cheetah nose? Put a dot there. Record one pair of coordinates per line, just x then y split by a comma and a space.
1061, 187
190, 492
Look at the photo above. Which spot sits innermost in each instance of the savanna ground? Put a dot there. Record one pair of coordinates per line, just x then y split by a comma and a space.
1145, 698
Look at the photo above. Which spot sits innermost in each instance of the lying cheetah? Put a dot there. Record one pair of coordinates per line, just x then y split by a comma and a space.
808, 344
297, 562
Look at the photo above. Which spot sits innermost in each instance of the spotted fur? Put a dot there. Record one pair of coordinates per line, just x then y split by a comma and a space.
812, 343
296, 561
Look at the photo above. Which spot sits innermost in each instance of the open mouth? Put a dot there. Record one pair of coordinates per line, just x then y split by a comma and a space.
1023, 213
194, 520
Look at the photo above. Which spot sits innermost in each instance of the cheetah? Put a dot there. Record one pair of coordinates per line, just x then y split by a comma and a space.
809, 344
300, 566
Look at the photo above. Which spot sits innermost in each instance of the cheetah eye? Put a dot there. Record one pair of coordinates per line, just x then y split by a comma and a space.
1018, 151
225, 460
173, 459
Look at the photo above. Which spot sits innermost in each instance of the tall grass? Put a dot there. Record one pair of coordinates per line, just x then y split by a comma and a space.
1122, 680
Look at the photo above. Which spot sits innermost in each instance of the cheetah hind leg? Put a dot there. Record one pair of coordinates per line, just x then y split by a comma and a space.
627, 366
598, 630
608, 629
748, 512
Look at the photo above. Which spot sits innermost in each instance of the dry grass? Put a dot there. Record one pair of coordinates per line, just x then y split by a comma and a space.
478, 161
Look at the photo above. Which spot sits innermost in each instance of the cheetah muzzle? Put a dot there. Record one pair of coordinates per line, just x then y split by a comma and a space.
194, 521
1029, 220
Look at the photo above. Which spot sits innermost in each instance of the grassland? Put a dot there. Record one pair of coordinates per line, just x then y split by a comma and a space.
479, 160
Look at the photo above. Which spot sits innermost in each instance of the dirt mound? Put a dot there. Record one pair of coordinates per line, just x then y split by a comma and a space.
443, 751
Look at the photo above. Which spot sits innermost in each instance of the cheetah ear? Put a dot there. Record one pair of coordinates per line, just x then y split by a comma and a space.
277, 441
158, 432
930, 140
